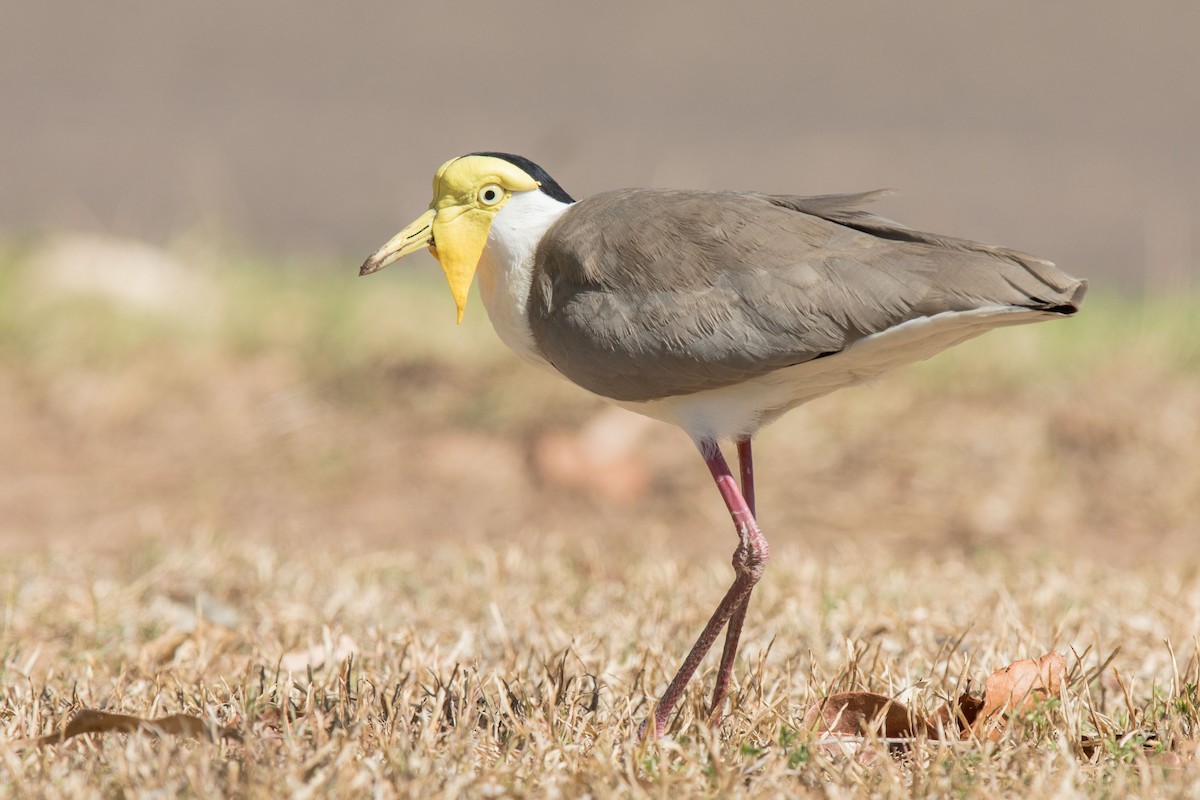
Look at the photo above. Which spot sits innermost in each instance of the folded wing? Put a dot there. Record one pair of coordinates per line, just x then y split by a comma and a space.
641, 294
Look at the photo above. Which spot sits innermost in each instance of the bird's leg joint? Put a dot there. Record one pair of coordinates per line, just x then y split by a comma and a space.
750, 557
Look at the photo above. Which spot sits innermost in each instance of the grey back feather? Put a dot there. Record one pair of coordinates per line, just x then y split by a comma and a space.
640, 294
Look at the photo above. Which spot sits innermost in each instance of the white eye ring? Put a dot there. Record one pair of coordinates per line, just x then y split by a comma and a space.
491, 193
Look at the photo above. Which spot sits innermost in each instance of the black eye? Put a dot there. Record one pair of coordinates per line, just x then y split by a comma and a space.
491, 194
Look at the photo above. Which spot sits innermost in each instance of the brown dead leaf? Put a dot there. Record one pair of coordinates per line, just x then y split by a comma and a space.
1016, 688
957, 715
91, 721
862, 714
1011, 690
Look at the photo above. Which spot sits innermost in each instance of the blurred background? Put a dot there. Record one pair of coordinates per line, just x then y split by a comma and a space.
1067, 129
187, 190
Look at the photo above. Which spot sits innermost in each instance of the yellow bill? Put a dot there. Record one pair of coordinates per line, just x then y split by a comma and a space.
417, 235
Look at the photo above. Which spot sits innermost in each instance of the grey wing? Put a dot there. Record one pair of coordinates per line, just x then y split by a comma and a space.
967, 271
643, 294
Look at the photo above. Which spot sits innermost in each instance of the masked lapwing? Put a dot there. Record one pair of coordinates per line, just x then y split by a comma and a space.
714, 311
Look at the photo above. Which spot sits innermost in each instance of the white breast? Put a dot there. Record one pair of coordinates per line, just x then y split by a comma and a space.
506, 267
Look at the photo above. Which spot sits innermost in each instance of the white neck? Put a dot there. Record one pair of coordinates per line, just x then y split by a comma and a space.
506, 267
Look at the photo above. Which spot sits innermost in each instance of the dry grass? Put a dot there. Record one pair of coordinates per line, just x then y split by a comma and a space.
485, 670
317, 470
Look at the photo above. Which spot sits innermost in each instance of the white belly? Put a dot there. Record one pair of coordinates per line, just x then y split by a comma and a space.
740, 410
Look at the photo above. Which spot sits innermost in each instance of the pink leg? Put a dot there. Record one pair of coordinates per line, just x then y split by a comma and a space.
734, 632
749, 561
746, 467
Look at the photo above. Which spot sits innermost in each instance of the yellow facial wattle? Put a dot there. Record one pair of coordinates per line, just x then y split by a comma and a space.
467, 194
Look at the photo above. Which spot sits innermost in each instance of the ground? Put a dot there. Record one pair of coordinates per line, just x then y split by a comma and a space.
381, 557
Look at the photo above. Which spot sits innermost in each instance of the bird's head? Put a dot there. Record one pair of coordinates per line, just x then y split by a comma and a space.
468, 192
